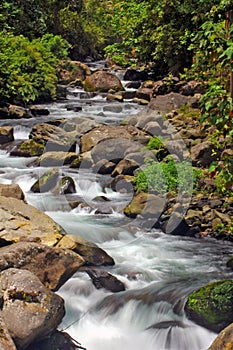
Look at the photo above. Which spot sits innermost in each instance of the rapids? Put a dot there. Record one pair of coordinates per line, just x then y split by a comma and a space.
158, 270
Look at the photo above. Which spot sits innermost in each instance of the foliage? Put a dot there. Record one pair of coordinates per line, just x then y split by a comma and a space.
165, 177
27, 68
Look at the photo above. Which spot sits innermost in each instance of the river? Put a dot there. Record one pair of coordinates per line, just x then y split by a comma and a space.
158, 270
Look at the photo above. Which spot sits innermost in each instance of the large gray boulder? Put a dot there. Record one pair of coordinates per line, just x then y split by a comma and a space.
102, 81
53, 137
53, 266
30, 310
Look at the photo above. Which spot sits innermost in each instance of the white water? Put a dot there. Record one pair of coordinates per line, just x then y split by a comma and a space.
158, 270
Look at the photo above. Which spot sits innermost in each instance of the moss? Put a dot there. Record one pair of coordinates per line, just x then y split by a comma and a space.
32, 148
46, 182
212, 305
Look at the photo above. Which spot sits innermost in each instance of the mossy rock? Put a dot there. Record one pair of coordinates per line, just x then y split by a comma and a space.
211, 306
66, 185
29, 148
46, 182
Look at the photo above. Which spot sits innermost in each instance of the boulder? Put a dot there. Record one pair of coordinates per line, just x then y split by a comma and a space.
6, 134
224, 340
38, 111
17, 112
125, 167
144, 93
145, 205
22, 221
104, 132
103, 279
53, 137
123, 183
28, 148
204, 153
6, 342
72, 71
53, 266
12, 191
135, 75
82, 125
65, 185
104, 167
173, 100
102, 81
60, 158
46, 182
30, 311
91, 253
211, 306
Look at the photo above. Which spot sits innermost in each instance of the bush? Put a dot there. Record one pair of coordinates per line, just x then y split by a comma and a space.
28, 68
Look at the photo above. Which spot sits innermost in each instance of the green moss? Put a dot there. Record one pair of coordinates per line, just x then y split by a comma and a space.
212, 305
32, 148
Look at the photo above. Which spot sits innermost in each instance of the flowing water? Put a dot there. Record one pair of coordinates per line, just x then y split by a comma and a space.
158, 270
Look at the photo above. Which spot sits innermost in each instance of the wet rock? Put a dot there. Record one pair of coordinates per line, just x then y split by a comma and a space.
53, 137
91, 253
204, 153
104, 167
56, 341
115, 97
53, 266
133, 85
6, 134
176, 225
22, 221
30, 311
212, 305
102, 81
60, 158
123, 183
145, 205
135, 75
37, 111
66, 185
144, 93
141, 101
12, 190
224, 340
71, 71
46, 182
168, 324
28, 148
103, 279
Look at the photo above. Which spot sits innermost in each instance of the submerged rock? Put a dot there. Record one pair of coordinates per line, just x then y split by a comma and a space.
212, 306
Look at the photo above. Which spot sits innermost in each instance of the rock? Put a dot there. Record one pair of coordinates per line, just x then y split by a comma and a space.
49, 159
83, 125
71, 71
123, 183
6, 342
224, 340
212, 305
91, 253
20, 221
17, 112
53, 266
133, 85
56, 341
104, 167
176, 225
12, 190
159, 88
204, 153
230, 263
28, 148
46, 182
125, 167
115, 97
112, 149
170, 101
102, 81
145, 205
135, 75
144, 94
30, 311
141, 101
105, 132
103, 279
66, 185
6, 134
53, 137
38, 111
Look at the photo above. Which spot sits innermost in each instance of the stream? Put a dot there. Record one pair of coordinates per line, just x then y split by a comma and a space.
158, 270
